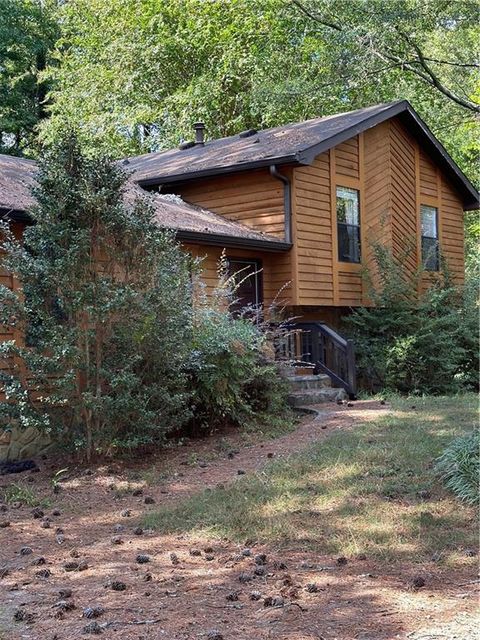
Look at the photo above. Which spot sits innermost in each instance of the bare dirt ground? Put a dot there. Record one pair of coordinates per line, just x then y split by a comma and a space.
200, 592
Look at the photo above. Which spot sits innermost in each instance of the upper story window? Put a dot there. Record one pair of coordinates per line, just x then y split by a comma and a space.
348, 224
430, 245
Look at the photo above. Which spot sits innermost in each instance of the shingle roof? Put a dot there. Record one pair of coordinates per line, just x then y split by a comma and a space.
16, 180
17, 176
297, 143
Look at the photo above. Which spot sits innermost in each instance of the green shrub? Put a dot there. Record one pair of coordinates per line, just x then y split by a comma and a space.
459, 467
415, 343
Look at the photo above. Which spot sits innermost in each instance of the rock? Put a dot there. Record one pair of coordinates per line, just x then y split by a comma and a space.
118, 585
147, 577
259, 571
83, 565
142, 558
93, 628
312, 588
138, 531
270, 454
232, 596
74, 553
4, 524
39, 561
241, 472
21, 615
350, 404
37, 513
26, 551
45, 523
470, 553
59, 531
361, 556
202, 464
230, 455
209, 557
245, 577
195, 552
149, 500
260, 558
137, 492
93, 612
213, 634
56, 512
43, 573
279, 566
126, 513
208, 550
246, 553
64, 593
60, 538
118, 528
342, 561
255, 595
71, 566
417, 583
174, 558
117, 540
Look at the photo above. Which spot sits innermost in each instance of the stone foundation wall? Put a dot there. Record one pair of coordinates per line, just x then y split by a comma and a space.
21, 444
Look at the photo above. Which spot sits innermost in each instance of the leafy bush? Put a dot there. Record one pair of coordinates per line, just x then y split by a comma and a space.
231, 367
415, 343
105, 308
459, 467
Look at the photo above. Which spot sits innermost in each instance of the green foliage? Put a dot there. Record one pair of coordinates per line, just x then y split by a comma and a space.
28, 32
459, 467
415, 343
233, 376
24, 495
105, 307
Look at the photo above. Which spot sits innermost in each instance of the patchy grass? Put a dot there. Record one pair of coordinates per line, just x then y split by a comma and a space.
371, 490
24, 495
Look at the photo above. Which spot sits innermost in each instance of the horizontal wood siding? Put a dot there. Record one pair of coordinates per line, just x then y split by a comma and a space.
350, 288
347, 158
254, 198
275, 270
314, 234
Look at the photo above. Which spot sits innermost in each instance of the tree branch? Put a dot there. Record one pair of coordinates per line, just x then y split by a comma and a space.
325, 23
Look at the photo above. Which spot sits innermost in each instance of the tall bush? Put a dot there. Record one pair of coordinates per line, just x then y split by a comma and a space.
104, 306
411, 342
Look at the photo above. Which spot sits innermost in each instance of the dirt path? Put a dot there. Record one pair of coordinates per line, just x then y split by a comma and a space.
188, 597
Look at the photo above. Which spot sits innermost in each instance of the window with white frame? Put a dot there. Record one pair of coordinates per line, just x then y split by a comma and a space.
430, 244
348, 224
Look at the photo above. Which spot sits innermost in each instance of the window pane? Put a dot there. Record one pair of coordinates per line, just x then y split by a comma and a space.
348, 243
430, 255
347, 206
429, 221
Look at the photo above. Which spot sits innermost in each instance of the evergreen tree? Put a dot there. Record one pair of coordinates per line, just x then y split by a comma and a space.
104, 309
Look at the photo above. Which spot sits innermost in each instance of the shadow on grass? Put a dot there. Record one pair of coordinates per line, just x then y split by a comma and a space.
370, 490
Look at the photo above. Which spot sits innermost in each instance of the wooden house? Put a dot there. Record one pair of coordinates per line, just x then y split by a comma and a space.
303, 204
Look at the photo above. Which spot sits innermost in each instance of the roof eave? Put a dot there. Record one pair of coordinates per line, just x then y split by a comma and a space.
215, 171
15, 215
225, 240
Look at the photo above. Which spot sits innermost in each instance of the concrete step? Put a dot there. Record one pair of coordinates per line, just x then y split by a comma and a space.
316, 396
306, 383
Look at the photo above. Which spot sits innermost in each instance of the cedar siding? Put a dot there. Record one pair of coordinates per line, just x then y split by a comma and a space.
394, 176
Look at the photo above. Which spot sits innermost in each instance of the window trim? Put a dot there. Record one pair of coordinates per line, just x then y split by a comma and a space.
423, 261
259, 293
347, 224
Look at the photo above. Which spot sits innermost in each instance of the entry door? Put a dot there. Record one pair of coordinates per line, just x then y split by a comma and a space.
247, 274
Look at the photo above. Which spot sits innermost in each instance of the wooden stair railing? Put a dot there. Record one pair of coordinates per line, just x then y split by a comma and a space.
318, 344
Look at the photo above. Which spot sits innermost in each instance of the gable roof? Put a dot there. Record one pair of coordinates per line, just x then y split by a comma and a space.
297, 143
191, 223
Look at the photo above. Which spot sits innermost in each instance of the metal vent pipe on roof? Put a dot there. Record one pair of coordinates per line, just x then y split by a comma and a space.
199, 134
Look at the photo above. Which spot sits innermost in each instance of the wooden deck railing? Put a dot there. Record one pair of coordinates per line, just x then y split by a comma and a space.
318, 344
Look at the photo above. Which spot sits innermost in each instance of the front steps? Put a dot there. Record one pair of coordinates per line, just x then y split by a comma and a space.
313, 389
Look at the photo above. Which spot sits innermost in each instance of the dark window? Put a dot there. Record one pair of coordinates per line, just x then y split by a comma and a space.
348, 225
247, 278
430, 245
